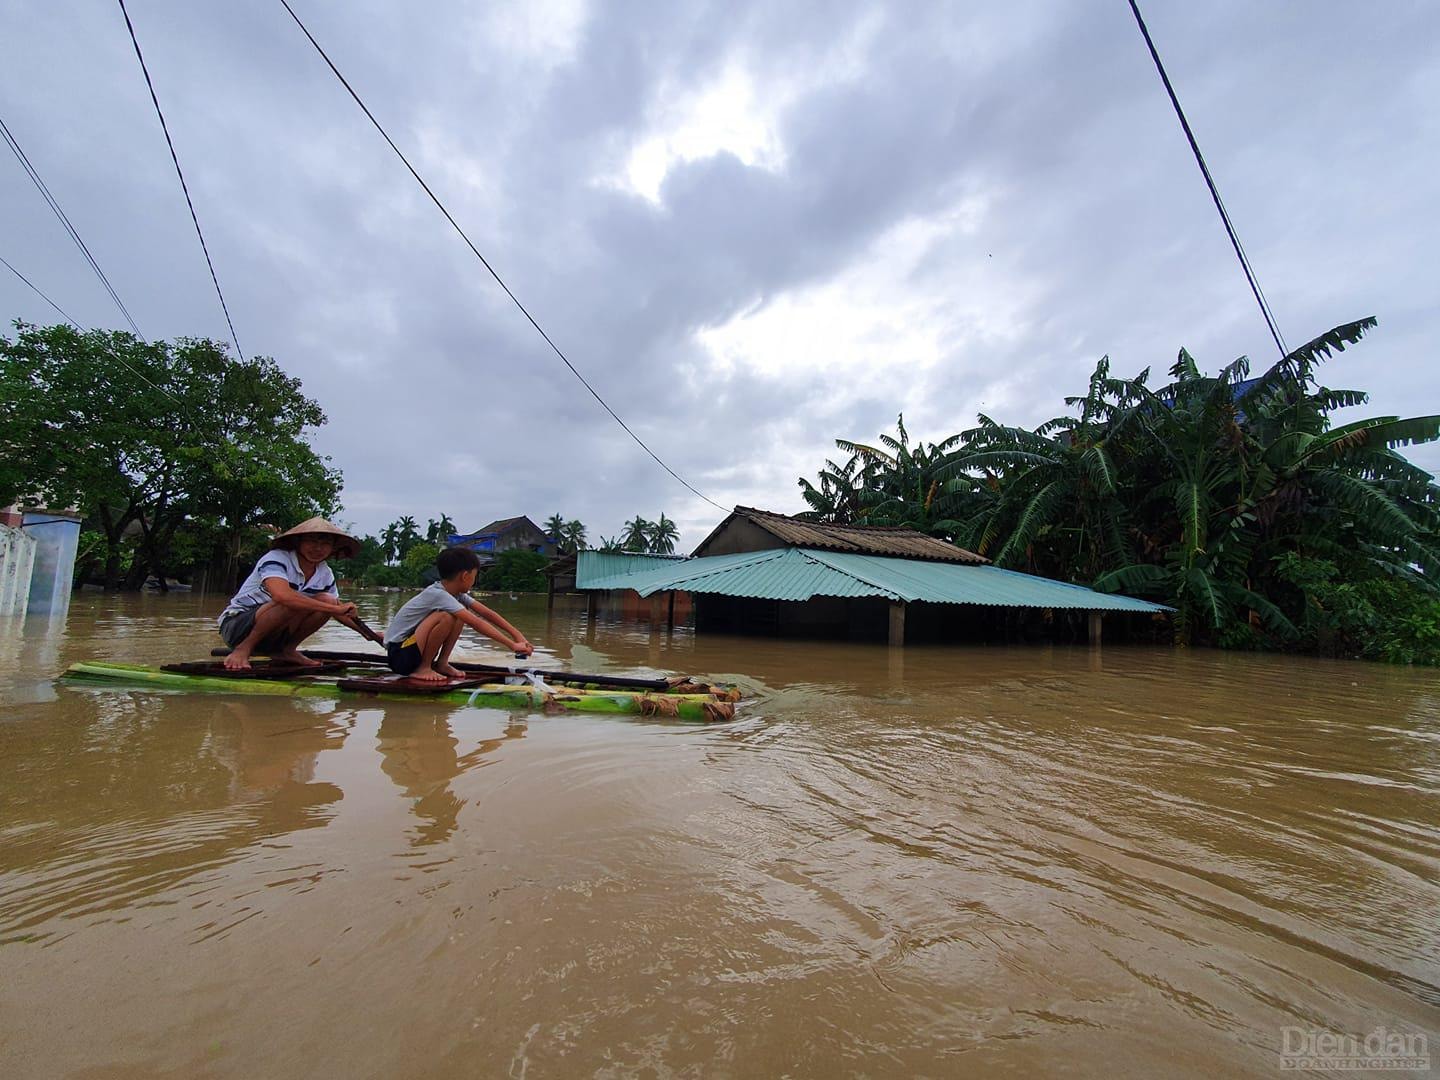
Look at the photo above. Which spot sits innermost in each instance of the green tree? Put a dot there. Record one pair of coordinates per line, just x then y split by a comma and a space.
407, 537
516, 571
554, 526
636, 535
419, 563
573, 538
173, 435
661, 535
390, 542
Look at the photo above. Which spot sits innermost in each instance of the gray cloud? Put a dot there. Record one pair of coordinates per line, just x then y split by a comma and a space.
1090, 231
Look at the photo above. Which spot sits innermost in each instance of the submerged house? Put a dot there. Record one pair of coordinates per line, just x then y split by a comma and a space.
766, 573
507, 534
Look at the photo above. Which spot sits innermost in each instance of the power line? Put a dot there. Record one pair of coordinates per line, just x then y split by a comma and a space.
38, 293
1210, 183
113, 355
486, 263
64, 218
239, 354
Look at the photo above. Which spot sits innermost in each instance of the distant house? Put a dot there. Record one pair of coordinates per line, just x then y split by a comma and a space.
766, 573
507, 534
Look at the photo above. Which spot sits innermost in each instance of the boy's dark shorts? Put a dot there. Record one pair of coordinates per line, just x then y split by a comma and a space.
235, 627
404, 657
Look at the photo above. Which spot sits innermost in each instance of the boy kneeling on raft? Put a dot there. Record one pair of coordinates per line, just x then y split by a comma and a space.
289, 595
423, 633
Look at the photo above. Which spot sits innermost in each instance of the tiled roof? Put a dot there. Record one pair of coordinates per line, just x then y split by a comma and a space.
895, 543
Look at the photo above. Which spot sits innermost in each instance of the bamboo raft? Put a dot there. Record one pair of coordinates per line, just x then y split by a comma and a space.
355, 675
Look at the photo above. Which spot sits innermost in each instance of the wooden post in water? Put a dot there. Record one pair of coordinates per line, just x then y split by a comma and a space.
550, 593
670, 616
1095, 619
897, 622
592, 607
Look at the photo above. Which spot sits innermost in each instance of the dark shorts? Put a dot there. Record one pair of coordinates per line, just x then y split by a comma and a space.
236, 626
404, 658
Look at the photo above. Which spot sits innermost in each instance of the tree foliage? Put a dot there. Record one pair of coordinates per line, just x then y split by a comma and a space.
161, 445
1200, 493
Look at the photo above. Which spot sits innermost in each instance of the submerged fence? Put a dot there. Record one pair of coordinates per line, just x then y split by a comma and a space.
17, 563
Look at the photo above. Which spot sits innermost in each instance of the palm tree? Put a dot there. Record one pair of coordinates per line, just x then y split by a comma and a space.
636, 536
1246, 471
836, 499
1046, 500
554, 526
898, 485
662, 535
611, 544
409, 535
390, 542
444, 528
432, 530
573, 536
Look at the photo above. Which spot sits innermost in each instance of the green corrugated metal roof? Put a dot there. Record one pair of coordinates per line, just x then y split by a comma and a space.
800, 573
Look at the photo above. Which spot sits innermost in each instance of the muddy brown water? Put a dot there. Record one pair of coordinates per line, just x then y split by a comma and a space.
941, 862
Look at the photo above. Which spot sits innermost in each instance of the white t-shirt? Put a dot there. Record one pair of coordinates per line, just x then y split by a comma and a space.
280, 563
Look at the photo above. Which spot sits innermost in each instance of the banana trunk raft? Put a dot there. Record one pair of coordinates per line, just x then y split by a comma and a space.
682, 698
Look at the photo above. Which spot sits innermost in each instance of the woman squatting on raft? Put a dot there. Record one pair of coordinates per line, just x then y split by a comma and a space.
289, 595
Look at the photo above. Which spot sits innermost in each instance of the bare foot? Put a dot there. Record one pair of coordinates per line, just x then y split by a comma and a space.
291, 656
427, 675
450, 671
237, 662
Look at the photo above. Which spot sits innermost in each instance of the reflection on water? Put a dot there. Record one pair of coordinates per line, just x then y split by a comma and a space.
931, 862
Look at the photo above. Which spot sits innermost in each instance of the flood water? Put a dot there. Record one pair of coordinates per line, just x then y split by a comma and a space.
935, 862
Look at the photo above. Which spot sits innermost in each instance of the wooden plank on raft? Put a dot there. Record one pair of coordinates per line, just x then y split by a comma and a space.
264, 669
405, 684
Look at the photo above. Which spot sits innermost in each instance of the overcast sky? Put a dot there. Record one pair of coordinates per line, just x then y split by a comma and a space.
755, 227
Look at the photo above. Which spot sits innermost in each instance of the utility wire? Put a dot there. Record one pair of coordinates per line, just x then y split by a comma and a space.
239, 354
113, 355
486, 263
38, 293
64, 218
1210, 183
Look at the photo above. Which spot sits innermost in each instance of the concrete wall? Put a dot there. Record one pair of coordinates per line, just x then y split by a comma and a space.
17, 561
56, 535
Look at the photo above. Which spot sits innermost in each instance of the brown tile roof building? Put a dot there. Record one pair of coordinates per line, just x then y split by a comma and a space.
748, 529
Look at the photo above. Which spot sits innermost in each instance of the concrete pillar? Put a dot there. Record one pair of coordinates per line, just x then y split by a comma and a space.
1094, 637
56, 536
17, 558
897, 622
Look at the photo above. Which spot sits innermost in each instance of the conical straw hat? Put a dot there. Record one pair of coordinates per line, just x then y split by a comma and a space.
346, 546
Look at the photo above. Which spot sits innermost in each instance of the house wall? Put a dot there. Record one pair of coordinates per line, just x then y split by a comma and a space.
525, 537
831, 617
740, 534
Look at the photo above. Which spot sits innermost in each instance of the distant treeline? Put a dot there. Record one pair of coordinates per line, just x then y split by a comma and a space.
1235, 500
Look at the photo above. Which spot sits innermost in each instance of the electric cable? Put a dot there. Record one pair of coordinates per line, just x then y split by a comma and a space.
486, 263
38, 293
180, 173
58, 211
1210, 183
81, 329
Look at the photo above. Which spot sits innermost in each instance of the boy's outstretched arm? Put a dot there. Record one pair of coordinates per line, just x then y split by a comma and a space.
496, 619
517, 643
